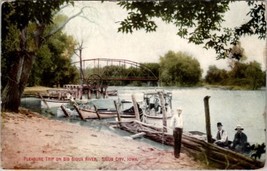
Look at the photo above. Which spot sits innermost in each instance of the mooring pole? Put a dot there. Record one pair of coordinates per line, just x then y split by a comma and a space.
136, 111
40, 95
64, 111
96, 112
79, 112
164, 114
118, 112
207, 115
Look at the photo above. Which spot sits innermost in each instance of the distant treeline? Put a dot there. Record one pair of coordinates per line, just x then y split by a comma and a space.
181, 69
174, 69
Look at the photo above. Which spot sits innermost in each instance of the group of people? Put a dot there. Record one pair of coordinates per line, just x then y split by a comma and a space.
240, 139
239, 144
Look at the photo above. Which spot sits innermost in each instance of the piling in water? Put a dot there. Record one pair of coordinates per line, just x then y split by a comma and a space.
207, 115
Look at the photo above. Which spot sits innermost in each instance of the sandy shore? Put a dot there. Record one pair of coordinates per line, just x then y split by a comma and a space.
31, 141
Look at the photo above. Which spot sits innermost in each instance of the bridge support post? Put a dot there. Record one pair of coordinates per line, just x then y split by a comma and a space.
89, 94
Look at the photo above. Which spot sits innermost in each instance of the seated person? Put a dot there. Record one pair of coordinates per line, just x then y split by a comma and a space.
221, 137
240, 140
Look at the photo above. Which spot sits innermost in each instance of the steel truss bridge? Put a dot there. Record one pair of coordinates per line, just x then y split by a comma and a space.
101, 71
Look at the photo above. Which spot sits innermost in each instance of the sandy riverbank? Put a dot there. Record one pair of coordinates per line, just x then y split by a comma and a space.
31, 141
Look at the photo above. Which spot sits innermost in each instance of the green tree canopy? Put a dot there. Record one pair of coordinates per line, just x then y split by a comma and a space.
53, 60
28, 19
216, 75
247, 75
179, 69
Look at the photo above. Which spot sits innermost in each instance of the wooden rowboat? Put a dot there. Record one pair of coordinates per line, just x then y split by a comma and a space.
95, 114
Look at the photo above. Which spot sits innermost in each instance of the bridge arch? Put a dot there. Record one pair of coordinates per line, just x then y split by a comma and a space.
108, 69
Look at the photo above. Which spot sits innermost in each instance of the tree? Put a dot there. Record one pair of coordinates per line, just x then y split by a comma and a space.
53, 64
216, 75
179, 69
19, 15
197, 21
246, 75
255, 75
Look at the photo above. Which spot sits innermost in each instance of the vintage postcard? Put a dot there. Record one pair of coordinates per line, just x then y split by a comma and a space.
133, 85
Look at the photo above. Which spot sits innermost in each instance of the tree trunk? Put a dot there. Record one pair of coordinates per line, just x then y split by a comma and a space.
17, 80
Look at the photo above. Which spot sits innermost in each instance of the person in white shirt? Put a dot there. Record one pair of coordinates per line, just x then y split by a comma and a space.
177, 126
177, 120
221, 137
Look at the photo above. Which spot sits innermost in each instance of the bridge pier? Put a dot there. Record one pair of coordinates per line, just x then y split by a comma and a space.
78, 91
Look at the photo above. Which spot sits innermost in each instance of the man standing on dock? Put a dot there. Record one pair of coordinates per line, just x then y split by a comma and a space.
177, 125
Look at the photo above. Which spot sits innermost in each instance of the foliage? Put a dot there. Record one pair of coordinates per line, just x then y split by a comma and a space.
53, 59
28, 19
59, 70
179, 69
197, 21
246, 75
215, 75
113, 73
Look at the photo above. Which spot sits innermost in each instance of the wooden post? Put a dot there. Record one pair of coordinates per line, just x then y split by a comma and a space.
96, 111
77, 93
105, 93
118, 113
177, 136
97, 93
64, 111
164, 118
136, 111
207, 115
89, 93
59, 95
80, 93
40, 95
79, 112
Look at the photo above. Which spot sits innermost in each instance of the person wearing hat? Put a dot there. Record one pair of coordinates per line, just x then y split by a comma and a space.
221, 137
177, 126
240, 139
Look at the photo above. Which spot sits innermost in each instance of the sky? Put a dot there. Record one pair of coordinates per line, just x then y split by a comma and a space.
101, 40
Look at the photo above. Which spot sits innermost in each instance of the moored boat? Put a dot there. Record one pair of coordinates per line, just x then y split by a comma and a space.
53, 103
154, 106
55, 98
112, 92
98, 109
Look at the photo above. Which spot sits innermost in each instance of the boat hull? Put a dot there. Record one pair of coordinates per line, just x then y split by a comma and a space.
156, 120
91, 114
53, 103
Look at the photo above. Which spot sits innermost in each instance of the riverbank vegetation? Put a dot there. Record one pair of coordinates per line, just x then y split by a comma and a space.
182, 70
245, 75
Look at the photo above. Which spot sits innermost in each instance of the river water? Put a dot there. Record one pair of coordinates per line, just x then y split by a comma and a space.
231, 107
